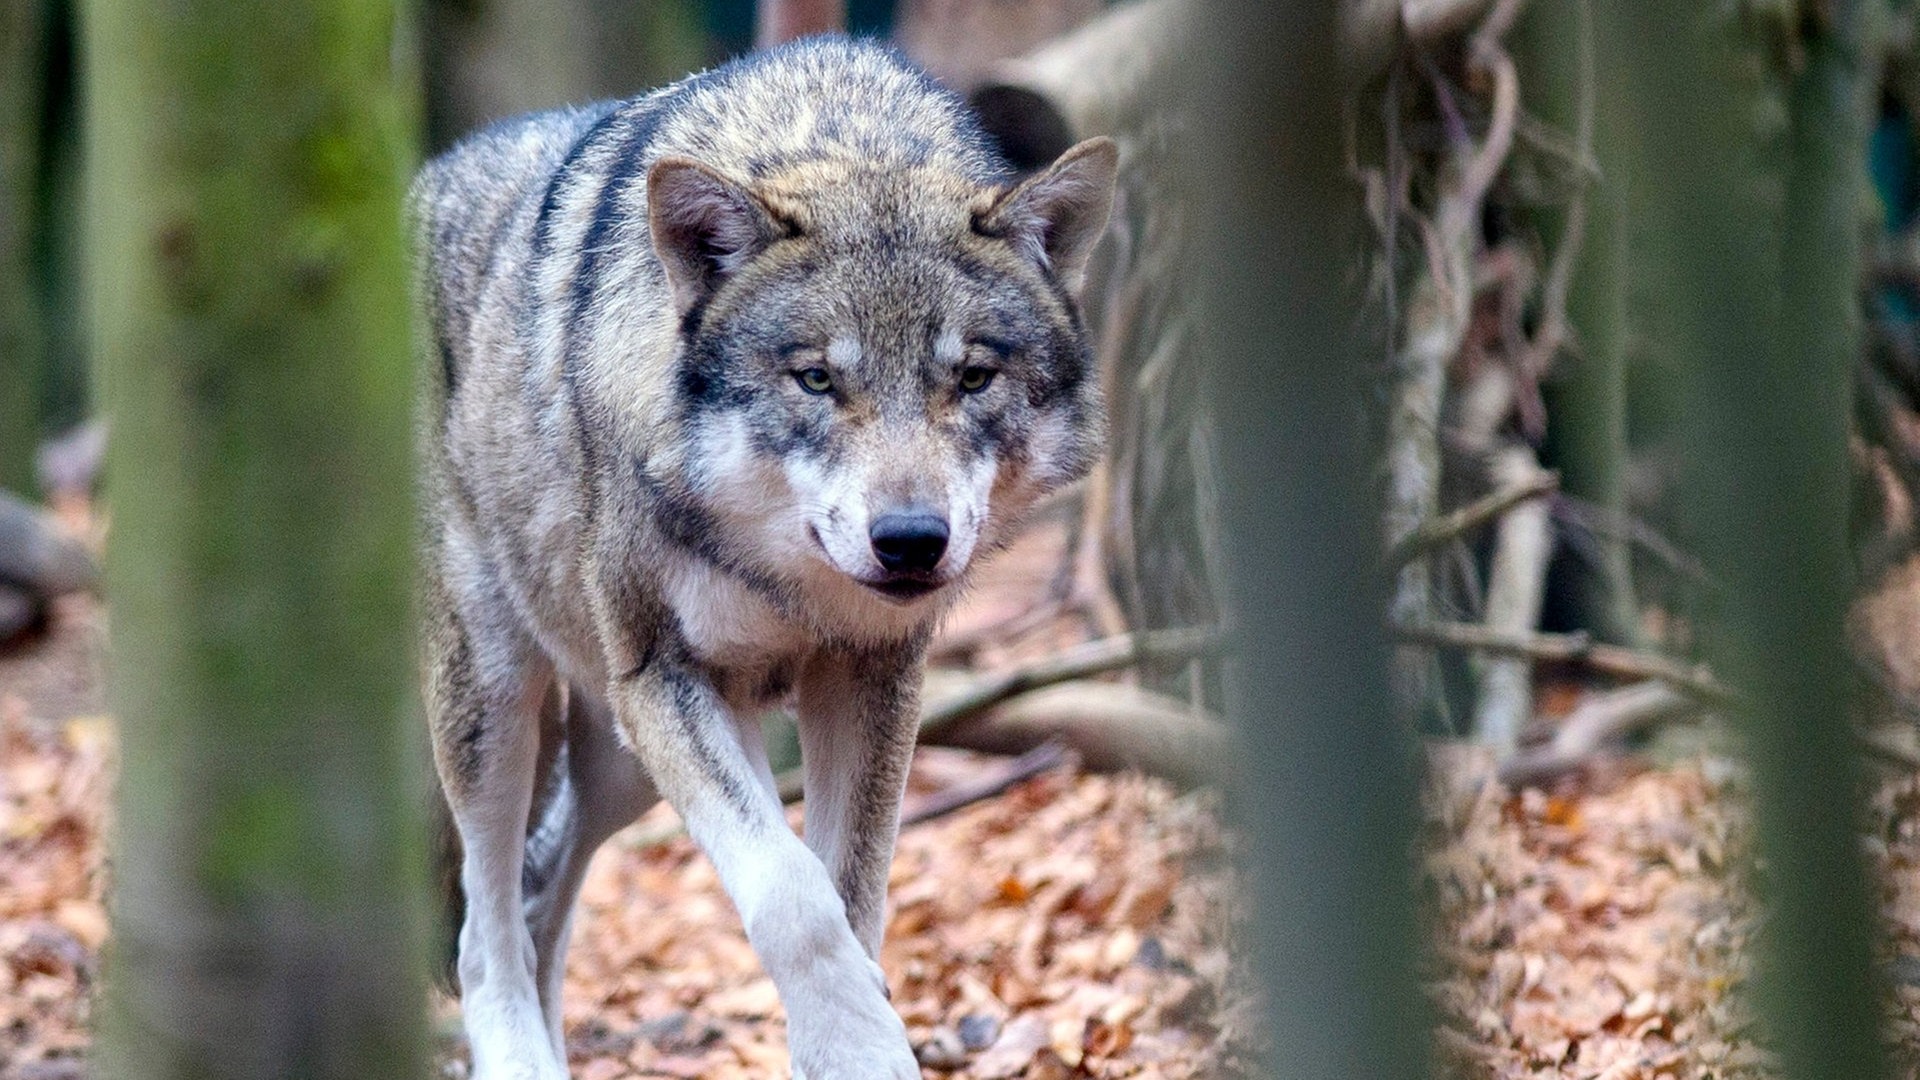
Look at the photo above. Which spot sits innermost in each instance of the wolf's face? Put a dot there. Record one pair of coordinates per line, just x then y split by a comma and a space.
881, 371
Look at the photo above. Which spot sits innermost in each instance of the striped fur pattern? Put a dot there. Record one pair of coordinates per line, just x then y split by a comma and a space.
734, 385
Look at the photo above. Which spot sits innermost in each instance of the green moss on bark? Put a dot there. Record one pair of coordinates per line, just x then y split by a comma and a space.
248, 295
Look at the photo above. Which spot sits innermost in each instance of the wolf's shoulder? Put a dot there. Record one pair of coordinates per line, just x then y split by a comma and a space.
492, 162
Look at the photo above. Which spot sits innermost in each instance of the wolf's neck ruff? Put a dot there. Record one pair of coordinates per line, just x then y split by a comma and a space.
738, 380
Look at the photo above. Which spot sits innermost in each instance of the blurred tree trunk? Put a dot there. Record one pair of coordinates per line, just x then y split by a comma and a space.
1758, 254
249, 304
960, 41
22, 78
491, 59
65, 383
1326, 796
1587, 398
784, 20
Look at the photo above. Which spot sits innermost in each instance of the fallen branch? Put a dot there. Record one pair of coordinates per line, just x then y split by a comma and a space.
1580, 648
1113, 728
976, 695
1599, 720
1454, 524
1043, 758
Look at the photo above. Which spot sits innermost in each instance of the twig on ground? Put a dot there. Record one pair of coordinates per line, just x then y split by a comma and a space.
1599, 720
1579, 648
1043, 758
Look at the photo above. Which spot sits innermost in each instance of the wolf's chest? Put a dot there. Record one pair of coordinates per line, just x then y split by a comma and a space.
729, 625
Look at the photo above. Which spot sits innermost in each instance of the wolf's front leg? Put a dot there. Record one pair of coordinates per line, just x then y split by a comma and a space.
839, 1024
859, 721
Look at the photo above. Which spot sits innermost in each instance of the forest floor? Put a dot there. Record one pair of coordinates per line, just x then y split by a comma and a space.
1076, 925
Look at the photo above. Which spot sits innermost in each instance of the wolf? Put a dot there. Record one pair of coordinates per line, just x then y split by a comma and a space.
733, 386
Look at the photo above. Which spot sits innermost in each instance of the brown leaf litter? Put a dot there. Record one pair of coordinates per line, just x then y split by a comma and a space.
1076, 926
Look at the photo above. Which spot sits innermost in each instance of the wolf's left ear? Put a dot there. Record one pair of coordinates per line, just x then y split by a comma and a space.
1057, 215
704, 227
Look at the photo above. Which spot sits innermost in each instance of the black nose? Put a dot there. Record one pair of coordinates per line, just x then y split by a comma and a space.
908, 543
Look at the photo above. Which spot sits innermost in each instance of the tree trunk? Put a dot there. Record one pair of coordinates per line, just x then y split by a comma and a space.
1763, 348
252, 330
1587, 400
490, 59
784, 20
22, 77
1326, 774
960, 41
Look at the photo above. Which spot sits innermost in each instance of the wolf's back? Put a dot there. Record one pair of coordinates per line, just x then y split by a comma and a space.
465, 203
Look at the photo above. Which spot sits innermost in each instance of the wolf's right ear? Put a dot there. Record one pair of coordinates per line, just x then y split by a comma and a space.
704, 227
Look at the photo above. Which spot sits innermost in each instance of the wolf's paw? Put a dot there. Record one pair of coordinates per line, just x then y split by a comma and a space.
883, 1062
866, 1042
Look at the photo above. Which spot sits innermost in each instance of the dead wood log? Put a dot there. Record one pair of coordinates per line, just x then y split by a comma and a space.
1598, 721
1148, 552
1101, 79
1523, 543
1112, 727
1438, 313
36, 558
952, 699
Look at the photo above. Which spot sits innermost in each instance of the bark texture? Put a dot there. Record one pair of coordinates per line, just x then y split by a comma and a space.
1327, 780
1760, 255
22, 37
250, 312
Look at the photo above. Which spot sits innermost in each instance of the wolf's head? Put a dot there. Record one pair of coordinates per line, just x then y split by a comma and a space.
882, 366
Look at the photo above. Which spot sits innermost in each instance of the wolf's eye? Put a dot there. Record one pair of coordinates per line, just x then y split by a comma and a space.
815, 380
975, 379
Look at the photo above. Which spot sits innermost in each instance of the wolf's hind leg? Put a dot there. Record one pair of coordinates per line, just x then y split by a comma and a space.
485, 686
601, 790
